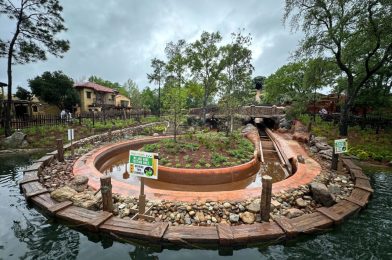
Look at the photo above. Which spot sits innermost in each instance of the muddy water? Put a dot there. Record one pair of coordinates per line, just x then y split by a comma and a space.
117, 167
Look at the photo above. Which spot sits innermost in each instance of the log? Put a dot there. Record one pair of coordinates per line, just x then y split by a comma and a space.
106, 190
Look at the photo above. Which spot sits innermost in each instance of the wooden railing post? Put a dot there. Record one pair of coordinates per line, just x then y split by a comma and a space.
266, 194
106, 191
60, 150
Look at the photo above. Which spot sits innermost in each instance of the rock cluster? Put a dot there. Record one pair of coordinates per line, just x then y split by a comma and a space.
318, 145
57, 175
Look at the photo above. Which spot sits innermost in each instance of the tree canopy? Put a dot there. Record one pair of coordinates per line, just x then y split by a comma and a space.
107, 83
356, 34
23, 94
37, 23
55, 88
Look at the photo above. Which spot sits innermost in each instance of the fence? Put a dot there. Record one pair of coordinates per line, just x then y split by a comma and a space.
43, 120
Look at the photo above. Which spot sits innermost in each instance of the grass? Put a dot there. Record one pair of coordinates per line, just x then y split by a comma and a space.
362, 143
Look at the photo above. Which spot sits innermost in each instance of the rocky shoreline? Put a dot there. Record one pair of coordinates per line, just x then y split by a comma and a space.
328, 188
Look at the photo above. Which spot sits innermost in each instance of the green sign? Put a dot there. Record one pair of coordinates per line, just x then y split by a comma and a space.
143, 164
341, 146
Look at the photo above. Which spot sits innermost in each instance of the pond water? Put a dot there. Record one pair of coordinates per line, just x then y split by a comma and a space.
117, 167
26, 234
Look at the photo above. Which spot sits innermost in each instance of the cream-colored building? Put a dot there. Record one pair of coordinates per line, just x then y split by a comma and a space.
94, 97
122, 101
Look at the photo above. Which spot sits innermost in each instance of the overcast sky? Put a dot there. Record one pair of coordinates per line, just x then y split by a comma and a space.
116, 39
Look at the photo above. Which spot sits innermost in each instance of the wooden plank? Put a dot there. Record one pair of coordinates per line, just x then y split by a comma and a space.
160, 229
350, 165
34, 167
29, 177
344, 209
225, 234
44, 201
100, 219
355, 173
257, 232
191, 234
84, 217
31, 189
46, 159
309, 223
135, 229
363, 184
286, 226
359, 197
330, 214
59, 206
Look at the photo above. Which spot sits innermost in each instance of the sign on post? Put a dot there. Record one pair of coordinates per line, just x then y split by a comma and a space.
341, 146
143, 164
71, 135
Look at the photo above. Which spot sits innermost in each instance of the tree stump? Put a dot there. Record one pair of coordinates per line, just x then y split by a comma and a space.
106, 190
60, 150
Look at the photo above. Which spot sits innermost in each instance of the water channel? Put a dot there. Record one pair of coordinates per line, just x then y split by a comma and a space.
26, 234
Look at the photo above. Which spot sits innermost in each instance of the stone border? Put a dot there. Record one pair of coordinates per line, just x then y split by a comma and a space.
221, 234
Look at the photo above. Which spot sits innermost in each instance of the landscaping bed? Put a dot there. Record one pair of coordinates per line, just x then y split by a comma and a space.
203, 150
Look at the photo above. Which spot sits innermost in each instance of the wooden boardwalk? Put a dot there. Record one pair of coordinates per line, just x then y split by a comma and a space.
221, 234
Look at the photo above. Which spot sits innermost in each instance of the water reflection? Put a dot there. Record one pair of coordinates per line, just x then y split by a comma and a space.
26, 234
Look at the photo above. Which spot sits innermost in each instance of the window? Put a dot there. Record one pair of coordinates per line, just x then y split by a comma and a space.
35, 108
113, 97
88, 94
124, 103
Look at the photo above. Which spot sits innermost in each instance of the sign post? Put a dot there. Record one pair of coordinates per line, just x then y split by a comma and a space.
144, 165
71, 137
340, 146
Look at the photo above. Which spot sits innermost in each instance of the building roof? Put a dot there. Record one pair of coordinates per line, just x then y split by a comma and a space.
2, 84
94, 86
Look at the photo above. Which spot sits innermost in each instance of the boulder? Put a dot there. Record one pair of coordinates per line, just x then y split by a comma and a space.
321, 194
254, 207
85, 200
314, 149
301, 203
155, 134
326, 154
63, 194
323, 146
79, 183
16, 140
320, 139
275, 204
227, 205
234, 218
200, 216
293, 213
247, 217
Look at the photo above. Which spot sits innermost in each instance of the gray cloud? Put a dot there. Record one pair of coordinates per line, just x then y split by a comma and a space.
117, 39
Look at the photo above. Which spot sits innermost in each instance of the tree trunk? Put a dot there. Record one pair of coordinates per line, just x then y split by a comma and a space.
159, 99
205, 105
7, 121
343, 123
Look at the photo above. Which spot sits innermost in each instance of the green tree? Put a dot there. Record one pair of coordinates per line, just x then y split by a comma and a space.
356, 34
56, 89
150, 100
158, 76
134, 94
175, 95
236, 75
205, 63
195, 94
36, 25
23, 94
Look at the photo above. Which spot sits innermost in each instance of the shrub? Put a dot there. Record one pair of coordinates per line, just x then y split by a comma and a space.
197, 166
208, 165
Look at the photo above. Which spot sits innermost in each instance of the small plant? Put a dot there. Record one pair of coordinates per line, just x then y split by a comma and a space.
202, 161
188, 165
197, 166
208, 165
178, 165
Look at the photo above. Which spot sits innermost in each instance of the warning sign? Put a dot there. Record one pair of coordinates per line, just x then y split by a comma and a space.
143, 164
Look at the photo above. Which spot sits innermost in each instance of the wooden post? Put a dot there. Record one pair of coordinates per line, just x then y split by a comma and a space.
335, 159
93, 118
60, 150
142, 198
266, 194
106, 190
